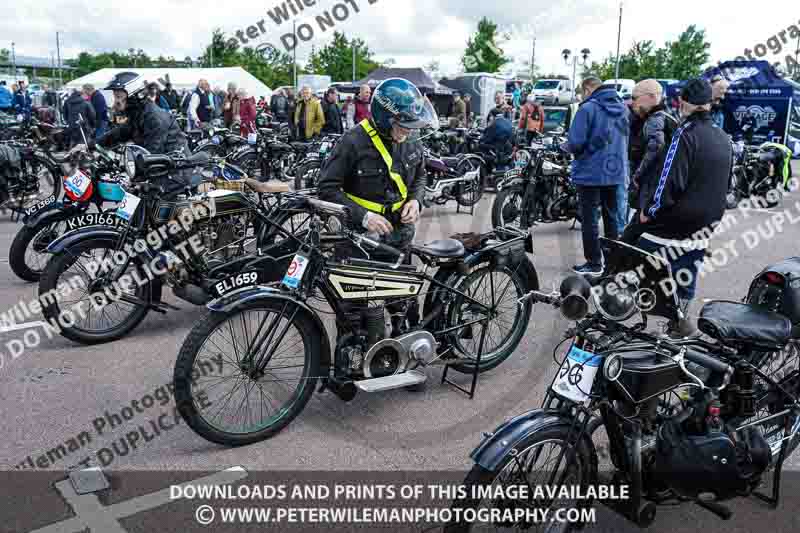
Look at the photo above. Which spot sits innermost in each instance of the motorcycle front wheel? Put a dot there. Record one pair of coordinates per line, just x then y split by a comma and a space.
469, 193
499, 289
542, 459
507, 208
28, 255
264, 361
77, 291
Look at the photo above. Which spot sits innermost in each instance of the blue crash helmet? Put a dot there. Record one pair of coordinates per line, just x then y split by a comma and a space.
398, 101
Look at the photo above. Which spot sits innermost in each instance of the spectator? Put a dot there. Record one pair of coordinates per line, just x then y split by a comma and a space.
598, 139
201, 108
468, 106
98, 103
360, 108
531, 119
6, 98
246, 113
279, 106
333, 117
230, 105
170, 95
22, 100
516, 96
501, 108
690, 197
154, 94
651, 128
497, 136
348, 102
79, 114
460, 111
719, 114
291, 103
308, 116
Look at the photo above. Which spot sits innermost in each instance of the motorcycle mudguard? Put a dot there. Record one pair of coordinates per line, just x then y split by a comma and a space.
53, 212
92, 232
511, 253
499, 443
235, 299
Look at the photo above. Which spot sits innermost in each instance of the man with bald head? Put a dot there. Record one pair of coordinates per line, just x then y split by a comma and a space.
658, 126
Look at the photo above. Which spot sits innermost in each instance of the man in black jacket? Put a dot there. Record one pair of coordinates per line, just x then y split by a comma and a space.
656, 129
170, 96
78, 113
377, 169
279, 106
678, 218
149, 126
333, 115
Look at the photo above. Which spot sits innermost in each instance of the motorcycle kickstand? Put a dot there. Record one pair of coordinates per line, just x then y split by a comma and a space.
774, 499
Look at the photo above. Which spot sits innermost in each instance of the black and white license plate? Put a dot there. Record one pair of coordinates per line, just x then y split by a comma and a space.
235, 281
40, 205
107, 218
513, 173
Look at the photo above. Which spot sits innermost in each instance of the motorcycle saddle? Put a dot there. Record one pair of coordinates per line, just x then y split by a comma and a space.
739, 323
441, 248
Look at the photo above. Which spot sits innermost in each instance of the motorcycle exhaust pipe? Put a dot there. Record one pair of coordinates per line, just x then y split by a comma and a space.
345, 389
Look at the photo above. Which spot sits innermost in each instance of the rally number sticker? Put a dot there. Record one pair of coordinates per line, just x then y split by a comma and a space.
77, 183
127, 207
294, 275
576, 375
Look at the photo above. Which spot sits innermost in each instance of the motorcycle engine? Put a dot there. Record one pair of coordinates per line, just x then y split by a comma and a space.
218, 236
702, 463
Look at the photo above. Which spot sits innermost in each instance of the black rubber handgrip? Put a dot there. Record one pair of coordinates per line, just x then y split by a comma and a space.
385, 248
707, 361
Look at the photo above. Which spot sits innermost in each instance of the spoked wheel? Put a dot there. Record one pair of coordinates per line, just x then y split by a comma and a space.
242, 377
783, 367
41, 181
306, 175
294, 222
543, 460
732, 198
499, 289
85, 291
507, 208
28, 255
469, 193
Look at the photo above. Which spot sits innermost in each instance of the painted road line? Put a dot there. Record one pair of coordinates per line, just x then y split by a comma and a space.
24, 325
91, 513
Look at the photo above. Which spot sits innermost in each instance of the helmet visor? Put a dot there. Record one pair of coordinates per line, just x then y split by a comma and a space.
421, 114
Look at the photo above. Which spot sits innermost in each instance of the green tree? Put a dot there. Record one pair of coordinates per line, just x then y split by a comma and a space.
688, 54
482, 53
4, 55
223, 50
336, 59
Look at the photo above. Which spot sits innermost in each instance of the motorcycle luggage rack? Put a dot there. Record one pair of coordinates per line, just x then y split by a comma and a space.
476, 365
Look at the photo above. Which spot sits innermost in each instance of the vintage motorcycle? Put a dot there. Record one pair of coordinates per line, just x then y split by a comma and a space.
453, 178
688, 421
537, 190
90, 179
757, 173
159, 197
272, 340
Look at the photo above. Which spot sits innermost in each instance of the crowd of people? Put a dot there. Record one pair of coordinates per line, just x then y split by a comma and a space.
16, 99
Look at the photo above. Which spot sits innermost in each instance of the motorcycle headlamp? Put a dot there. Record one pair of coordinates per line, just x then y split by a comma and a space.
615, 298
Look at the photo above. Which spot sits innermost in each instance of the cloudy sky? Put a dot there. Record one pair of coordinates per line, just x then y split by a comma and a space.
412, 32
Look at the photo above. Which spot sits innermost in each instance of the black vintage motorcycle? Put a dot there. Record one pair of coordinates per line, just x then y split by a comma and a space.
90, 179
275, 349
688, 421
161, 209
538, 190
757, 173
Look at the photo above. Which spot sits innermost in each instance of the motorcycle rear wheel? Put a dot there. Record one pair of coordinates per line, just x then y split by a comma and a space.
226, 338
26, 257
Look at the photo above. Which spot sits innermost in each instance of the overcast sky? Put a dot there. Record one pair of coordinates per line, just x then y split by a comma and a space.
413, 32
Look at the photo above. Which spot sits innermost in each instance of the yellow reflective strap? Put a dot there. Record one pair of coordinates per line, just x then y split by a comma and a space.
387, 158
374, 206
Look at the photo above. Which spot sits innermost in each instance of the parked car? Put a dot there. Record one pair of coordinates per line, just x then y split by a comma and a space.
553, 92
624, 87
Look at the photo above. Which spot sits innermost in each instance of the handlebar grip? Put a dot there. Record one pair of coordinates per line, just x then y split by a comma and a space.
707, 361
391, 250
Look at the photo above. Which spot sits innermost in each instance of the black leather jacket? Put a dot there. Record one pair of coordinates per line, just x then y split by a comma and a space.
155, 129
355, 166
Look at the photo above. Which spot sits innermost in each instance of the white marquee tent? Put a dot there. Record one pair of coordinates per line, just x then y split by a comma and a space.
181, 78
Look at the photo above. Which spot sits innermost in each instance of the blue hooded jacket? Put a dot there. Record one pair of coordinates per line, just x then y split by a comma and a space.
6, 100
598, 137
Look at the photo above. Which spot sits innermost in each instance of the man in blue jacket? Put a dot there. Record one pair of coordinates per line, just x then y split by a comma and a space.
98, 103
6, 100
598, 138
22, 100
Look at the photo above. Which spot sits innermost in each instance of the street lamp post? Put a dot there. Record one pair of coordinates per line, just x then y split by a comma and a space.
566, 53
13, 60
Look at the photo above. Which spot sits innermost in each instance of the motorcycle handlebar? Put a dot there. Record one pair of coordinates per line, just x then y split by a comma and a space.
707, 361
